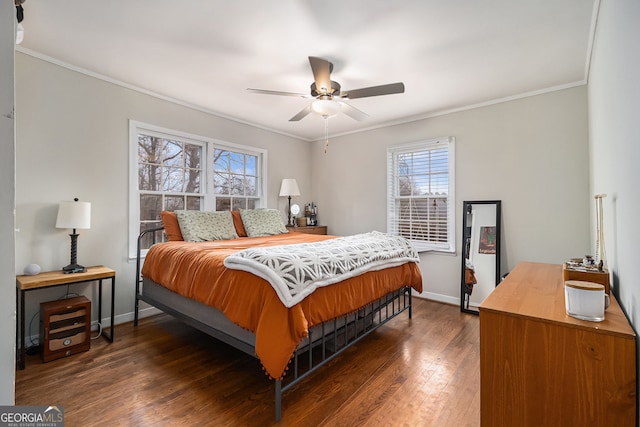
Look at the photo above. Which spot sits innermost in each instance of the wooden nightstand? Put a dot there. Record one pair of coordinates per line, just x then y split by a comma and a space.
309, 229
58, 278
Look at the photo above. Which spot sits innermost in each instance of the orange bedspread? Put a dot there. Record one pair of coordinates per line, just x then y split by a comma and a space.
197, 271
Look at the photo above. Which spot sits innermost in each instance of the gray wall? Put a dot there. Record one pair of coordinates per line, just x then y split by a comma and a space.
614, 131
7, 203
531, 153
72, 141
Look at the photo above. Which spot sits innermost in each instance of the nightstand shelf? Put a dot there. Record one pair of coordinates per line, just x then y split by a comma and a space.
309, 229
26, 283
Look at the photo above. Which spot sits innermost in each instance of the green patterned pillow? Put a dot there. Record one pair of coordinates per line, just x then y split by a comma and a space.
199, 226
262, 222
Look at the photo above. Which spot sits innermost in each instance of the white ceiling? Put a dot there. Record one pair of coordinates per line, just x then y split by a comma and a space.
450, 54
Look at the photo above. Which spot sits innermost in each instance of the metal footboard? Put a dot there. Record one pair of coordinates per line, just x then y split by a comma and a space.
337, 335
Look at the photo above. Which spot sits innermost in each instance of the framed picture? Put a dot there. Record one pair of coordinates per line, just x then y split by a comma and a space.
487, 240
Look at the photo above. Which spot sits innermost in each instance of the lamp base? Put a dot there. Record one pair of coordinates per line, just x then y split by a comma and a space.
73, 268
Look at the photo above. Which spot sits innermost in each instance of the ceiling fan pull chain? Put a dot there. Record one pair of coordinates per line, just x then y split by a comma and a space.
326, 133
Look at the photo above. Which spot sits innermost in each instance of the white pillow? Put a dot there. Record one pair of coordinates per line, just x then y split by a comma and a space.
262, 222
199, 226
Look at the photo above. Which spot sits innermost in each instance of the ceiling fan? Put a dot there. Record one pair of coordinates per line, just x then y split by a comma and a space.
329, 96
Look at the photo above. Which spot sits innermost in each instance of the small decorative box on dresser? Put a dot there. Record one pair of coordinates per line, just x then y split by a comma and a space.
595, 276
540, 367
309, 229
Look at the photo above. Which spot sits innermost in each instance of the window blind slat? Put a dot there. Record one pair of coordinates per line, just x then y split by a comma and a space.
420, 193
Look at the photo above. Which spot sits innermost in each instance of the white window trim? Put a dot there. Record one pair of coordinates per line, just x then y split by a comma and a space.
420, 246
208, 144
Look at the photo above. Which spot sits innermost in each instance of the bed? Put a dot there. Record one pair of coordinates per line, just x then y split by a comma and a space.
212, 286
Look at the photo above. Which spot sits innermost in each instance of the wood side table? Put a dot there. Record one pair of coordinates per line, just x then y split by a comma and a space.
309, 229
58, 278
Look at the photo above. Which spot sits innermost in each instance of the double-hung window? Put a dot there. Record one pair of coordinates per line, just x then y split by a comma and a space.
171, 170
420, 193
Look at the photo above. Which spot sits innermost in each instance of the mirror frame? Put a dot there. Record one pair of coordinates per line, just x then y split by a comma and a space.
464, 297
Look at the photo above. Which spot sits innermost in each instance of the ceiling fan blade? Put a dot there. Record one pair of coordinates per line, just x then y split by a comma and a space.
305, 111
353, 112
277, 92
321, 69
373, 91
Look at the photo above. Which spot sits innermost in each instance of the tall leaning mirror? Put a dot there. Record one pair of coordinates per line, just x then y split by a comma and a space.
480, 252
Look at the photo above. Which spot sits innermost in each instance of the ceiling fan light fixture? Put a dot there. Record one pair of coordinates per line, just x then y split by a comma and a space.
329, 96
325, 107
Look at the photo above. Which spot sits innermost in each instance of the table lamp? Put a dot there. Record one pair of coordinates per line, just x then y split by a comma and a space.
289, 188
74, 215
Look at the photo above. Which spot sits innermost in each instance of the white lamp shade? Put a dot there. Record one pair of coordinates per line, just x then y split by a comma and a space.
289, 187
325, 107
73, 214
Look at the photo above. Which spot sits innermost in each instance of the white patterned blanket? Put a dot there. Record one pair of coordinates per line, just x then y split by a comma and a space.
295, 271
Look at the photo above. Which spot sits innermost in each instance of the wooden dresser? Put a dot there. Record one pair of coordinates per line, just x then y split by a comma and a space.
540, 367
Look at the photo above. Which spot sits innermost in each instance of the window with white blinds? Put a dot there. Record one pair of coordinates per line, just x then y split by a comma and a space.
420, 193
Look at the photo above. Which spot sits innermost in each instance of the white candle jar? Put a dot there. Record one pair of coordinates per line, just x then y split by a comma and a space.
585, 300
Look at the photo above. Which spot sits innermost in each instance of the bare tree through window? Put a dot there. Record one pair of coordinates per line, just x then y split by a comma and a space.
235, 181
171, 177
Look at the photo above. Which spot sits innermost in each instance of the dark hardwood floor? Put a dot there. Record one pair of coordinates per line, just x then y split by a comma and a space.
419, 372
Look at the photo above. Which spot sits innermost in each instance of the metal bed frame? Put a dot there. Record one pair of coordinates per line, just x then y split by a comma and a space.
325, 341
